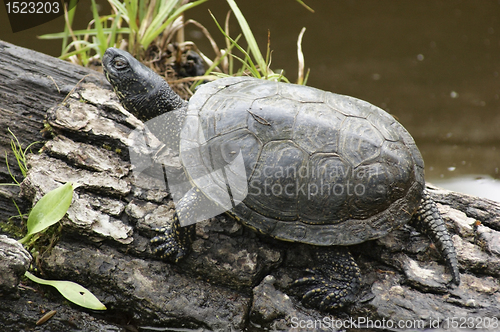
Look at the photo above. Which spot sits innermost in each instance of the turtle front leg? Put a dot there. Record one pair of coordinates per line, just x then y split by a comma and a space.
333, 282
175, 241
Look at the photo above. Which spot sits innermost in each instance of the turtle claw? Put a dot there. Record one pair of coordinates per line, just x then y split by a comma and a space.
326, 294
173, 243
166, 246
332, 284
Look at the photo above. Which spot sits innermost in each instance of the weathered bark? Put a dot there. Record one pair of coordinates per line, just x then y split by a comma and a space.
14, 261
234, 278
30, 83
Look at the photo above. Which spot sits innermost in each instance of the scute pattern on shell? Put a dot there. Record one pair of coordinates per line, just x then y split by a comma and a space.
306, 151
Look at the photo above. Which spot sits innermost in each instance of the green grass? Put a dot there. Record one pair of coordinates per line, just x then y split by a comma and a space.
119, 28
252, 61
20, 155
136, 25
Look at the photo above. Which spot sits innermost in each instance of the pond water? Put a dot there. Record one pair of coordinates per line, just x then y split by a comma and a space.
434, 65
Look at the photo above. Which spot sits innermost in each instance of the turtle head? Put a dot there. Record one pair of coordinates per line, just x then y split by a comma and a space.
140, 90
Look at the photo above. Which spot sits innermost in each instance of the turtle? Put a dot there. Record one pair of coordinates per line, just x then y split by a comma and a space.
321, 169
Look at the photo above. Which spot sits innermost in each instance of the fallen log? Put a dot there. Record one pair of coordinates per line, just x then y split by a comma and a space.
234, 279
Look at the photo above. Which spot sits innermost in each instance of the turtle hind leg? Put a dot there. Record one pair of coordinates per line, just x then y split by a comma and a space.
174, 242
332, 283
430, 222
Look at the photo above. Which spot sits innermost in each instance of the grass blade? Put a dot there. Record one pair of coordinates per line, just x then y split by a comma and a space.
102, 44
69, 15
247, 32
10, 172
114, 30
305, 6
300, 56
90, 32
122, 9
228, 65
167, 17
248, 63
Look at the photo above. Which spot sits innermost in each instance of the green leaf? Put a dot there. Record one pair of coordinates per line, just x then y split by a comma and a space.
72, 292
50, 209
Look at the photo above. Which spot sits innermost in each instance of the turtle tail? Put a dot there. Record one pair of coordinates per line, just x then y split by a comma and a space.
431, 223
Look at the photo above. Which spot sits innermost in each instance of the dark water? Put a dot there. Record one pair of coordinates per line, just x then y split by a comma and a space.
435, 65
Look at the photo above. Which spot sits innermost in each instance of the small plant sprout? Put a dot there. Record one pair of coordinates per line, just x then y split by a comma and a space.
47, 211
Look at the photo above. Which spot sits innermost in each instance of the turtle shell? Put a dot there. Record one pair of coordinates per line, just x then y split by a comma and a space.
301, 164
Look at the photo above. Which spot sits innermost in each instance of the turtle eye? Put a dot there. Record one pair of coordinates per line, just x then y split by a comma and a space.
120, 63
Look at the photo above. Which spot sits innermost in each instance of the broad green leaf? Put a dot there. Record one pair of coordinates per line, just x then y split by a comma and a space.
72, 292
50, 208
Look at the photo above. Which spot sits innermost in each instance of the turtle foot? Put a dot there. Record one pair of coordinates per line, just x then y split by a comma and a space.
333, 283
173, 242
